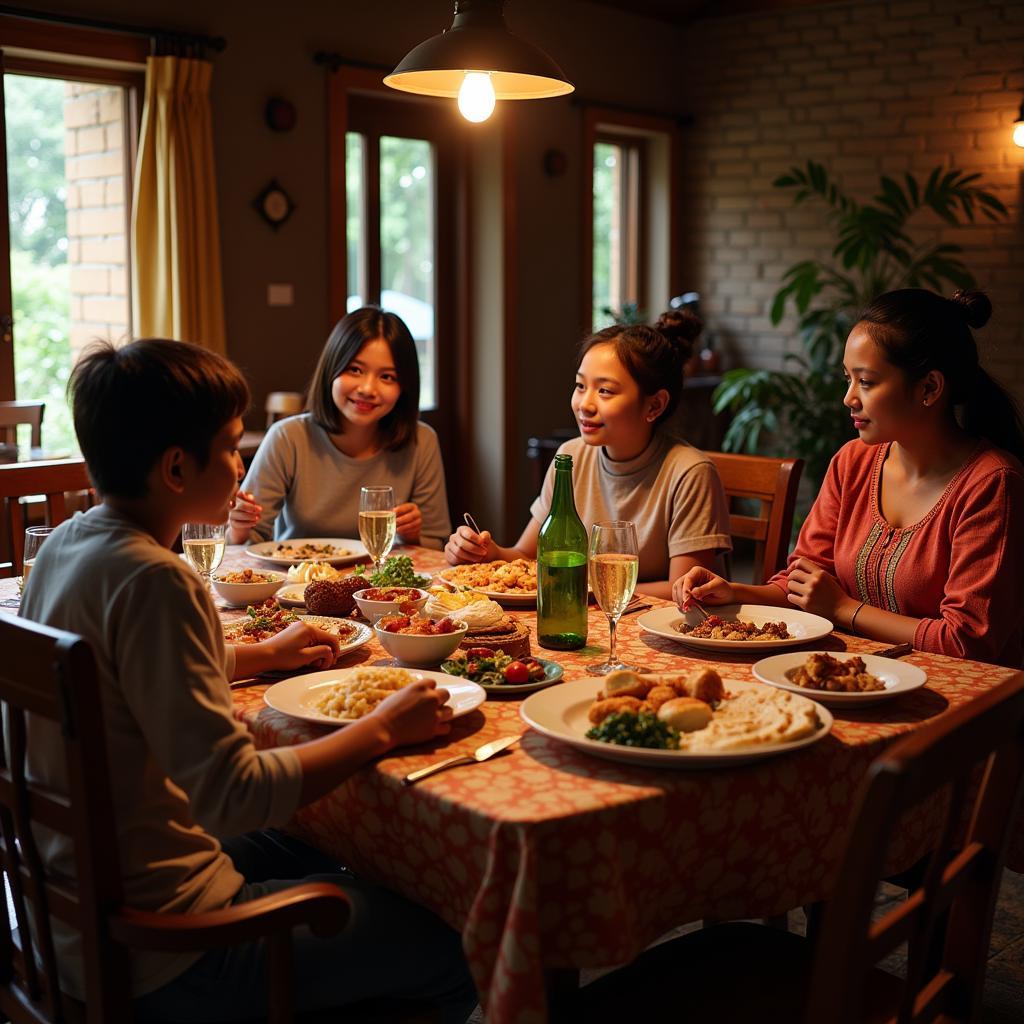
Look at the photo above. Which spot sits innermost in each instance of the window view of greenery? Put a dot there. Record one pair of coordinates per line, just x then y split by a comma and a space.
40, 281
606, 193
406, 240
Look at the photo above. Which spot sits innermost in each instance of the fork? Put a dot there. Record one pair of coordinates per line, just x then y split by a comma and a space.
478, 755
699, 607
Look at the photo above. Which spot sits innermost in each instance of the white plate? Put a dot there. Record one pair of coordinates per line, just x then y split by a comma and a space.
803, 626
518, 600
296, 696
561, 713
362, 635
898, 676
292, 596
265, 551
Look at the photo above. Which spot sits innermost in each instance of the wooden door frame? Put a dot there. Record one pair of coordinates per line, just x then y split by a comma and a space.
453, 312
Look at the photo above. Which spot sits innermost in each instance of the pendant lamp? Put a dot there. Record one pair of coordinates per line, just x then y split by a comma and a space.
479, 61
1018, 128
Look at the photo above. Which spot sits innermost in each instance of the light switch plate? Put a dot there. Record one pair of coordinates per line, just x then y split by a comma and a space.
280, 294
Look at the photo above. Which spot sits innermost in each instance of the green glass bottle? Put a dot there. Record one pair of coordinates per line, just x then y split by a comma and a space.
562, 568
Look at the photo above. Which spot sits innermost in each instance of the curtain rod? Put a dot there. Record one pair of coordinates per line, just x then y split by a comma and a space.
215, 43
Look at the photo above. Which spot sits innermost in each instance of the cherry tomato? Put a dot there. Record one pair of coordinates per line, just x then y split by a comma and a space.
537, 673
479, 652
472, 668
517, 672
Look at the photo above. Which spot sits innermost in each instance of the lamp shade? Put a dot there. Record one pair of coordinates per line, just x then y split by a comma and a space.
479, 41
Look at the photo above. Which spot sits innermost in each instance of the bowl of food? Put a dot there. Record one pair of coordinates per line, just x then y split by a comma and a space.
374, 602
249, 586
418, 641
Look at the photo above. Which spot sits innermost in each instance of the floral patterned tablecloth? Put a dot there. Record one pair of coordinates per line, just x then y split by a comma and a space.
545, 857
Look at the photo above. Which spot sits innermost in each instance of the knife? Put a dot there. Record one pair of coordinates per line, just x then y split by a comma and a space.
893, 652
480, 754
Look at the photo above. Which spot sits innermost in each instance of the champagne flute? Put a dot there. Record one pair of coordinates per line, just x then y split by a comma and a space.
34, 537
203, 545
377, 522
614, 567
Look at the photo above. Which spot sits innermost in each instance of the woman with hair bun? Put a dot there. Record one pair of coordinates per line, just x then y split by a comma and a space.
625, 465
917, 534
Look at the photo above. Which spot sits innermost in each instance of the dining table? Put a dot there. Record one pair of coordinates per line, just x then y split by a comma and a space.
549, 860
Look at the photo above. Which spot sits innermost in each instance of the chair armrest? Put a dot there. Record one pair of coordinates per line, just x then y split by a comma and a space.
320, 905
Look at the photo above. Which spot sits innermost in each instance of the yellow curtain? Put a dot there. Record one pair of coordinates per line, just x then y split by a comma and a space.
176, 270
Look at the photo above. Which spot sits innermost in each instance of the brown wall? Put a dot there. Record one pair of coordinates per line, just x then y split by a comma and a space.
865, 89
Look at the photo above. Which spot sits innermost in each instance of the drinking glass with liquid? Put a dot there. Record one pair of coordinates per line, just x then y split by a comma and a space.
34, 537
203, 545
377, 522
614, 568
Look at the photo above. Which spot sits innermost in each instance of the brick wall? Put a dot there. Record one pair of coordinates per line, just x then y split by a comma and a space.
97, 224
865, 89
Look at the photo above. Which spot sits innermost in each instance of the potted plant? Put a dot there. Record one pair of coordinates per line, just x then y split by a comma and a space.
799, 411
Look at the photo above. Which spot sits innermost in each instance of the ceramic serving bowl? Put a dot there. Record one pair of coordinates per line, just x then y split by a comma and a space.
373, 610
238, 595
421, 651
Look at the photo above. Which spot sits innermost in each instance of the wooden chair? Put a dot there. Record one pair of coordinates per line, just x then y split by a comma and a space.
51, 675
51, 480
283, 403
13, 413
773, 483
973, 759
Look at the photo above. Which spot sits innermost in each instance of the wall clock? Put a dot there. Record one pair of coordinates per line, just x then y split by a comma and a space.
274, 205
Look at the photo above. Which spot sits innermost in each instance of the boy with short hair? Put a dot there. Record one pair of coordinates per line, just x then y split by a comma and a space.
159, 422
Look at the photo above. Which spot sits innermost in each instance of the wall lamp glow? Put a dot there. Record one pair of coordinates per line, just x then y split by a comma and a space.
479, 61
1018, 127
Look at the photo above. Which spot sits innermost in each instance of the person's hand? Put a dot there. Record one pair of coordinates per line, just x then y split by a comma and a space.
408, 522
415, 713
814, 590
465, 545
301, 644
704, 585
244, 515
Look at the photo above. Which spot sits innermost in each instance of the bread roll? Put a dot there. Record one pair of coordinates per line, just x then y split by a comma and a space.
685, 714
705, 684
624, 683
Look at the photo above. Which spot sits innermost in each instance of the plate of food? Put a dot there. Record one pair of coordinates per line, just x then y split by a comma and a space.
397, 571
292, 596
333, 550
343, 696
840, 680
676, 720
736, 627
512, 582
500, 674
262, 621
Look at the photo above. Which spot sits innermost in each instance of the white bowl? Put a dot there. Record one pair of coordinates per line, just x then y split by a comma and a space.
238, 595
373, 610
420, 651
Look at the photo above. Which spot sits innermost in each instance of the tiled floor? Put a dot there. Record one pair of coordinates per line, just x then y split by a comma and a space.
1004, 985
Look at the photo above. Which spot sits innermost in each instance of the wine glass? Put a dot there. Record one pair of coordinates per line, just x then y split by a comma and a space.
614, 567
377, 522
204, 547
34, 537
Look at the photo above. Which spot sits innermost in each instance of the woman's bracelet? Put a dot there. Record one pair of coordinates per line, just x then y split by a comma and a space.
853, 619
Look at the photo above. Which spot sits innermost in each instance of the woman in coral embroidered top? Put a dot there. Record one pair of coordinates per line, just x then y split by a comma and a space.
917, 533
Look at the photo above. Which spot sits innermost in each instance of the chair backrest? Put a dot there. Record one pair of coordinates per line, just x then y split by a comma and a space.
972, 762
51, 676
283, 403
13, 413
51, 480
773, 483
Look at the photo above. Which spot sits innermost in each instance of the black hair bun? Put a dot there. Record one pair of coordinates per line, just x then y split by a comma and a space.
682, 328
975, 306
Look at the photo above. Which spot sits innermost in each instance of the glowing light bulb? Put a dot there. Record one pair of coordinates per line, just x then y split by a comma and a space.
476, 96
1018, 134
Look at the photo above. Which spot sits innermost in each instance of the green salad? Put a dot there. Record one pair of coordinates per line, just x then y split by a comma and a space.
494, 668
397, 571
631, 730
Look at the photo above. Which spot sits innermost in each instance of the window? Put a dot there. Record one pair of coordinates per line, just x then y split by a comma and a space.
69, 144
617, 255
630, 215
